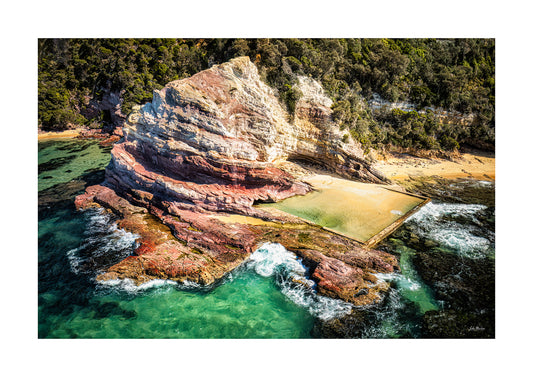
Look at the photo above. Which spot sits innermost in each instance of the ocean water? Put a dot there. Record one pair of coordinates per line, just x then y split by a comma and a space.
259, 299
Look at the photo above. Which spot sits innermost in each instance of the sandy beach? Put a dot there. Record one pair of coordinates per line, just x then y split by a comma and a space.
58, 135
400, 167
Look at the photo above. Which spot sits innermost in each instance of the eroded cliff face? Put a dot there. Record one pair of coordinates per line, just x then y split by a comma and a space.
224, 127
214, 143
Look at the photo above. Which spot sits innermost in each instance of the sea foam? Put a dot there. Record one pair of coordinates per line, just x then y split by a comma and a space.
104, 242
273, 259
437, 221
435, 211
403, 281
103, 245
129, 286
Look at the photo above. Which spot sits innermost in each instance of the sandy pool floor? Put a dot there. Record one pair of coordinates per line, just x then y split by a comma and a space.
358, 210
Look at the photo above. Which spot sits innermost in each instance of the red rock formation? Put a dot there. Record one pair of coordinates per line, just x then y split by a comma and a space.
105, 138
212, 143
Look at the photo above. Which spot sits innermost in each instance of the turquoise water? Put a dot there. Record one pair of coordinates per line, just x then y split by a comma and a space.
258, 300
247, 307
409, 283
75, 246
61, 161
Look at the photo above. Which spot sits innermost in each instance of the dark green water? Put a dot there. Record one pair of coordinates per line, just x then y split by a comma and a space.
258, 300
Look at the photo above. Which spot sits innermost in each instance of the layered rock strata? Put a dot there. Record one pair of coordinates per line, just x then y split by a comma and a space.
214, 144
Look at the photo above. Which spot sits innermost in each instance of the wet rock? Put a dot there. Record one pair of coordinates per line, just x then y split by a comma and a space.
458, 324
428, 244
106, 138
463, 283
467, 289
349, 326
370, 322
461, 190
200, 248
337, 279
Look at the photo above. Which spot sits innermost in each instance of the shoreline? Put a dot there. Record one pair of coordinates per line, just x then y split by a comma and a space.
474, 165
398, 167
58, 135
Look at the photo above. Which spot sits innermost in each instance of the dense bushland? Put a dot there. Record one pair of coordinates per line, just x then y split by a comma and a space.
453, 74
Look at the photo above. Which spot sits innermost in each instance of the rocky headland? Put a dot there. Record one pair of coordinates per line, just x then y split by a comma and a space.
194, 161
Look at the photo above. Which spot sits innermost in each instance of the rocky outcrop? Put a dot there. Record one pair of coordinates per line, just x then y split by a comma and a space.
199, 247
441, 115
106, 139
110, 105
212, 141
215, 143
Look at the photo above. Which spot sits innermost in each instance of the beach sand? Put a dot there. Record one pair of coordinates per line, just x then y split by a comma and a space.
58, 135
400, 167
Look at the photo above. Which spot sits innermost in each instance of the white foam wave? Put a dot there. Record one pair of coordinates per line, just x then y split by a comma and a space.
269, 260
74, 260
273, 259
129, 286
403, 281
461, 239
189, 285
103, 242
435, 221
272, 256
435, 211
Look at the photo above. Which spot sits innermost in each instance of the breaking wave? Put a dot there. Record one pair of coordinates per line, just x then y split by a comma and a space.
403, 281
270, 260
456, 227
129, 286
435, 211
273, 259
103, 245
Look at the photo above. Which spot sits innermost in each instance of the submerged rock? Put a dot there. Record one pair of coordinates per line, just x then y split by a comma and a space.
467, 288
214, 144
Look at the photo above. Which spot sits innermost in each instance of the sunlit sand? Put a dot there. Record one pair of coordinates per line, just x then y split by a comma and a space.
477, 166
58, 135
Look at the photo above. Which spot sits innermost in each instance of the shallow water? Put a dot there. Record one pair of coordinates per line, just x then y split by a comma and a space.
248, 306
64, 161
261, 299
355, 209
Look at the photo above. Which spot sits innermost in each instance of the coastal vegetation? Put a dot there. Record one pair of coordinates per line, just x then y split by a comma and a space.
455, 75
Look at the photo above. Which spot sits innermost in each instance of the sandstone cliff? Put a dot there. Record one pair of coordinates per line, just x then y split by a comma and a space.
214, 143
225, 127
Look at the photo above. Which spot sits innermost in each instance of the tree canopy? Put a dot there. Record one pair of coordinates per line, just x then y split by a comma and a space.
453, 74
